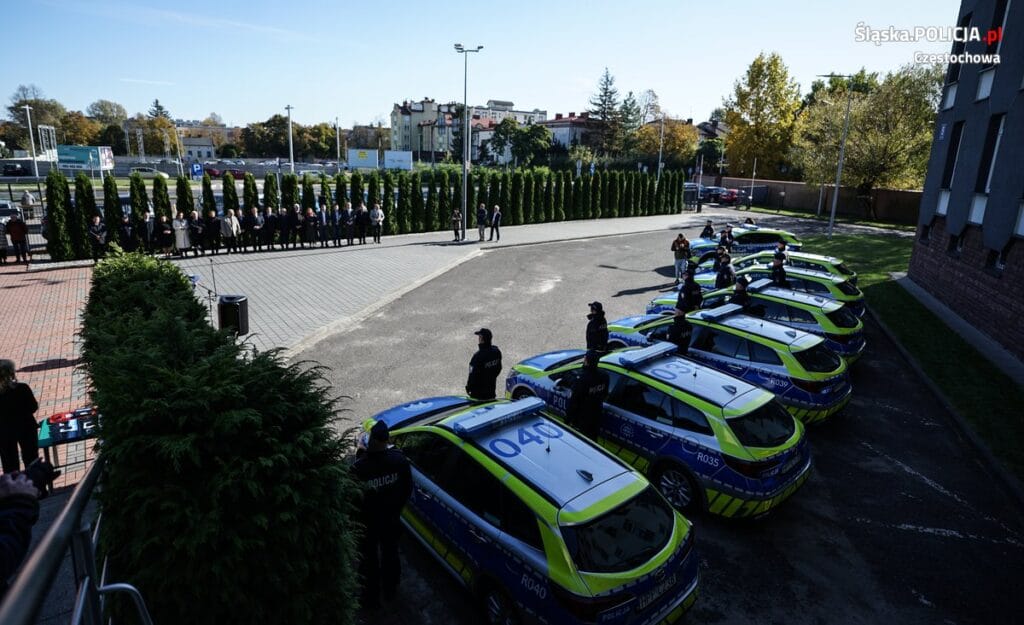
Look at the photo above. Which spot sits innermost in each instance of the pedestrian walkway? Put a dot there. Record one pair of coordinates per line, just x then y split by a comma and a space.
40, 334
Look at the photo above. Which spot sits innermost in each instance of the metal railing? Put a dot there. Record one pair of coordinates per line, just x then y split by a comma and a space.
71, 531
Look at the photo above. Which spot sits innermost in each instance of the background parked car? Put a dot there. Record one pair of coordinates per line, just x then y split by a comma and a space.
16, 169
149, 172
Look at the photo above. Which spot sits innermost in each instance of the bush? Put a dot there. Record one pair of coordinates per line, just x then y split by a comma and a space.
506, 198
416, 214
403, 209
289, 192
357, 189
209, 202
540, 215
224, 480
528, 198
325, 196
270, 192
250, 194
457, 198
80, 216
161, 200
372, 190
111, 204
444, 200
430, 216
184, 202
58, 240
614, 194
515, 211
340, 191
389, 203
494, 192
229, 194
553, 198
596, 182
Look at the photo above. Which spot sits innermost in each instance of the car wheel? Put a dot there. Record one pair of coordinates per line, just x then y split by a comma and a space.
678, 487
522, 392
498, 608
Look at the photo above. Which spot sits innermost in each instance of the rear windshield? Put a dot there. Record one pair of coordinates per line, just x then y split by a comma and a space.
818, 359
768, 426
847, 289
843, 318
624, 538
843, 269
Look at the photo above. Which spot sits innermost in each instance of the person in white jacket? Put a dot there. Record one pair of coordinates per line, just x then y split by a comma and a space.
230, 230
181, 242
377, 222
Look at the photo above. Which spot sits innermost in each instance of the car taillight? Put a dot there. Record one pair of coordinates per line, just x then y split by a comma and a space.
750, 469
811, 386
590, 609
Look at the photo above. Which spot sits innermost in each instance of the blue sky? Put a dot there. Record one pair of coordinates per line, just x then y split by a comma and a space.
246, 60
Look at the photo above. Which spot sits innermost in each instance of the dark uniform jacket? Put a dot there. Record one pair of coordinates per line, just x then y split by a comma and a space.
212, 232
740, 297
779, 275
586, 401
387, 483
597, 332
690, 296
484, 368
481, 216
707, 233
97, 234
18, 513
726, 277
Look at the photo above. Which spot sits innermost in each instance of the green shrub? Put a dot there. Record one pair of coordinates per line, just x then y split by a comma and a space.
540, 179
389, 203
494, 192
357, 189
225, 498
161, 200
58, 240
250, 194
596, 183
527, 207
209, 201
403, 209
111, 203
308, 193
416, 214
515, 210
270, 192
444, 200
184, 201
289, 192
340, 191
372, 190
614, 194
80, 216
506, 198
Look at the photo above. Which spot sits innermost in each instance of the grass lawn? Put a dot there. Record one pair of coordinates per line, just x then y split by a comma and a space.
824, 218
981, 393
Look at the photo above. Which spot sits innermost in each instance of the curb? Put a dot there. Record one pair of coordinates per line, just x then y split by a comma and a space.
339, 326
1011, 484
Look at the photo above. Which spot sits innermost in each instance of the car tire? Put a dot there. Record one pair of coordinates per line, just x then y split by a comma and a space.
498, 607
677, 484
521, 392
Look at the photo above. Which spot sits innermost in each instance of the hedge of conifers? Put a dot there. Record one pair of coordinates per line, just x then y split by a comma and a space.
225, 498
525, 196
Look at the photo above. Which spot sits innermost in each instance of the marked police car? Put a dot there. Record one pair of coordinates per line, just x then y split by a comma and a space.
809, 379
748, 239
799, 260
538, 521
707, 440
815, 283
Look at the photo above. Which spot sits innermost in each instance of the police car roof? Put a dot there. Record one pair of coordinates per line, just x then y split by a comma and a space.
555, 461
635, 321
768, 254
695, 379
553, 360
797, 297
800, 272
730, 316
408, 413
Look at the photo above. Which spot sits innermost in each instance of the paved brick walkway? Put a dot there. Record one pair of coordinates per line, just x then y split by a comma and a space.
41, 321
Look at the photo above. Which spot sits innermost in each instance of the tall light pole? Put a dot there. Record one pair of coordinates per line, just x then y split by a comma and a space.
291, 151
337, 141
842, 147
31, 139
466, 135
661, 145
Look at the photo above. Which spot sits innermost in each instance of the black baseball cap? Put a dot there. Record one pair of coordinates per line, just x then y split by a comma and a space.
379, 432
484, 332
597, 305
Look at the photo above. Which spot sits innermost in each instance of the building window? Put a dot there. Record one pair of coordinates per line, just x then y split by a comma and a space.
995, 262
998, 23
925, 236
956, 245
958, 47
952, 152
989, 153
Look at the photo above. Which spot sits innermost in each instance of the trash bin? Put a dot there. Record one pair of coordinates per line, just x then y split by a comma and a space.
233, 312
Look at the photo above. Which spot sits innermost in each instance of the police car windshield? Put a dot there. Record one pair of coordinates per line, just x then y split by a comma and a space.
624, 538
818, 359
843, 318
767, 426
847, 289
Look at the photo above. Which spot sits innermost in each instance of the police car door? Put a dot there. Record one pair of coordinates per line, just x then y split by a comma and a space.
638, 416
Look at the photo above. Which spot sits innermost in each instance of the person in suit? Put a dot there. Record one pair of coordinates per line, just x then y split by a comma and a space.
495, 223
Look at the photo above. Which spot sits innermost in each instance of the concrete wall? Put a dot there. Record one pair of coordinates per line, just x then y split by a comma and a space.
988, 301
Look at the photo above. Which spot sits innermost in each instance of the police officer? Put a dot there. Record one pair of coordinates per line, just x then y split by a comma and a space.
779, 269
708, 232
484, 367
727, 239
740, 295
597, 328
387, 485
586, 400
690, 295
726, 275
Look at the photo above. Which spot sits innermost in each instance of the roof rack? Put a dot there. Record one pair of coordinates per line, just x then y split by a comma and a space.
719, 313
495, 415
758, 285
633, 359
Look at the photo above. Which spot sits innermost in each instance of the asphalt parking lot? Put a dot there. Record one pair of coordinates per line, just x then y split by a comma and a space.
900, 522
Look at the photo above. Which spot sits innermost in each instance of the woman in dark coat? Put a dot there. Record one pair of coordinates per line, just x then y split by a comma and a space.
310, 228
17, 420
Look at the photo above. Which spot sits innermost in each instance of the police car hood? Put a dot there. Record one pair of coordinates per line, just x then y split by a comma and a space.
548, 360
399, 416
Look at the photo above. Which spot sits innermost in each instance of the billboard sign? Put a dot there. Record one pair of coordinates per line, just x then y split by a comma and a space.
397, 159
85, 157
362, 159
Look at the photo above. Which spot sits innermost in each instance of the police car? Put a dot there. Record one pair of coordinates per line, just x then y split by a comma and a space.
707, 440
538, 521
799, 260
809, 379
813, 282
748, 239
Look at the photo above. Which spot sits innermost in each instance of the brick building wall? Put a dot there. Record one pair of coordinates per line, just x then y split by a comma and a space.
991, 301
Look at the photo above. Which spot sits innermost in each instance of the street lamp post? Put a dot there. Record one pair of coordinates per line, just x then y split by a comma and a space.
466, 136
842, 147
291, 151
661, 145
31, 139
337, 141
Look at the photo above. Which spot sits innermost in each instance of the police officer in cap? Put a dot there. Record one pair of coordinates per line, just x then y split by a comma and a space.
690, 295
387, 485
779, 269
586, 399
597, 328
484, 367
708, 232
739, 294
